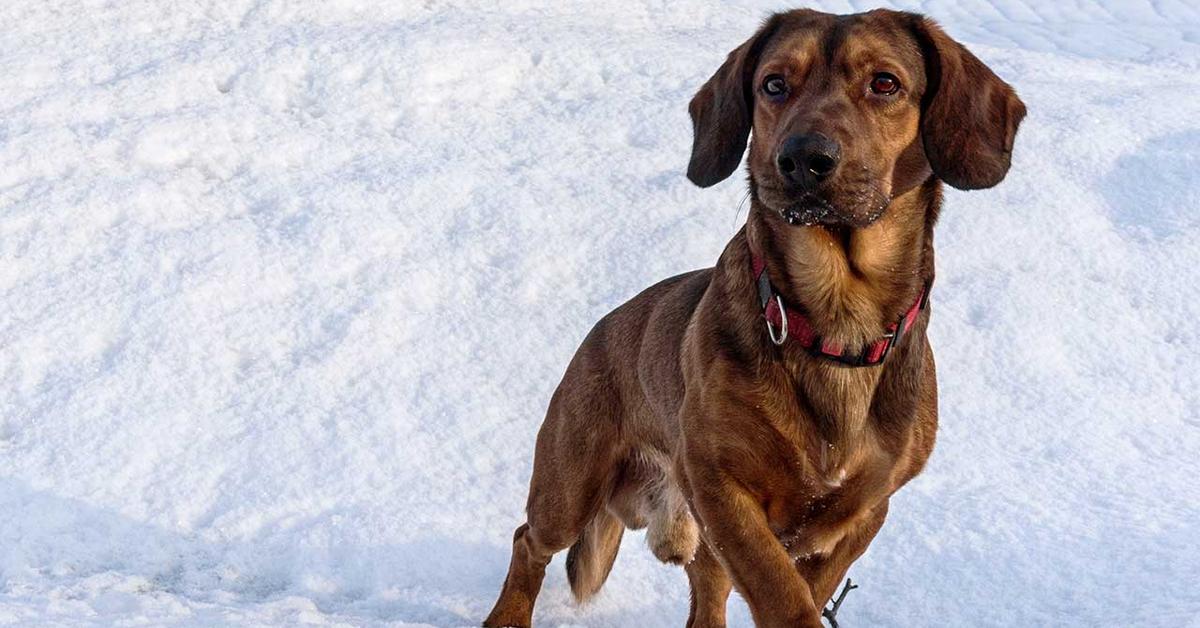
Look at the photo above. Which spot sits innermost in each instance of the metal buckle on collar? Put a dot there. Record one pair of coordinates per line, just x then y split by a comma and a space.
892, 336
783, 323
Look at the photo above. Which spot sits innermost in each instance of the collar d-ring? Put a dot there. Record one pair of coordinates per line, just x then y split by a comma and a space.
783, 324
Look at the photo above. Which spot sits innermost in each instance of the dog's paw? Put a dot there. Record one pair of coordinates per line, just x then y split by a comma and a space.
674, 539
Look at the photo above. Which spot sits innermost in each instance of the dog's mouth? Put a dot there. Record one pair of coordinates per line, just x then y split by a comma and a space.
808, 209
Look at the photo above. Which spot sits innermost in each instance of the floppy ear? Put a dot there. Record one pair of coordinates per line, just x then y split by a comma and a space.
722, 112
969, 115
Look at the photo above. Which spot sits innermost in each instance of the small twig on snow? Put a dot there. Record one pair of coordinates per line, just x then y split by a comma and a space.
831, 613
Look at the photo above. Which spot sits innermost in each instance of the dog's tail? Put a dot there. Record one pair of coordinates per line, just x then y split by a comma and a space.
591, 557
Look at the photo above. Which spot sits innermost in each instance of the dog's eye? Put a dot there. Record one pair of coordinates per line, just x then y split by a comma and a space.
774, 86
885, 84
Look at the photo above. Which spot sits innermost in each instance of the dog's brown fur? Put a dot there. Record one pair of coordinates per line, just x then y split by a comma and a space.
758, 466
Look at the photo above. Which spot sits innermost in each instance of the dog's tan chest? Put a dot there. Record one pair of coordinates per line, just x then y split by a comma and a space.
815, 529
833, 497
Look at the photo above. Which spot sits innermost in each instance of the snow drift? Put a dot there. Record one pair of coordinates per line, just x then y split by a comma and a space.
286, 287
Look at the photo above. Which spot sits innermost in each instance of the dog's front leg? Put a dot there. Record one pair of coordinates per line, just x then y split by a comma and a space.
735, 527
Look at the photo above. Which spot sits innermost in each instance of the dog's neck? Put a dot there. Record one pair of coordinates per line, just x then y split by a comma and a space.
851, 283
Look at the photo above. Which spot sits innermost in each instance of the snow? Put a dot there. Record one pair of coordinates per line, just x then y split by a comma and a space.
286, 287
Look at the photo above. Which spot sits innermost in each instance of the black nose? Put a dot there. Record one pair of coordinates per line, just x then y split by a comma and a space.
808, 159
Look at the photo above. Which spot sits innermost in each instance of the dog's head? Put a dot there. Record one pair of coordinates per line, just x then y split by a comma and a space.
849, 112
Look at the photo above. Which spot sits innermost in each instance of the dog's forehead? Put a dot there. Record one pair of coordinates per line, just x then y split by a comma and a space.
798, 36
805, 37
882, 34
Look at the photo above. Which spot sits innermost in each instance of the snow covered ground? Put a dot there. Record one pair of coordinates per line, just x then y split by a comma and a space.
285, 287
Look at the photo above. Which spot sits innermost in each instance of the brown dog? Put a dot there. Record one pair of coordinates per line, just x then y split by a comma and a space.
758, 415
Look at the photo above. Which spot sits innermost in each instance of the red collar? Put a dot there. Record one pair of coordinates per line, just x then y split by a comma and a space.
784, 323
